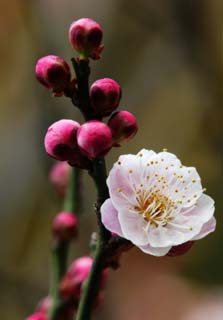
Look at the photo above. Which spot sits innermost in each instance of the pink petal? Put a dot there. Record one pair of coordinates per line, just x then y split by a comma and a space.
133, 227
109, 217
158, 252
204, 209
207, 228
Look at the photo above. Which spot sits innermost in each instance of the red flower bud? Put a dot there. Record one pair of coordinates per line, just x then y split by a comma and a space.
54, 73
71, 283
85, 35
64, 226
105, 95
75, 277
94, 138
44, 305
59, 177
123, 125
37, 316
181, 249
60, 140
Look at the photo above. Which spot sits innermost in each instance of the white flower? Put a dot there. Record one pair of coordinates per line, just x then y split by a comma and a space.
156, 202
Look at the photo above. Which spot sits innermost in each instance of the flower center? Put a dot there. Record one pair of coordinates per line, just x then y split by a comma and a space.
154, 207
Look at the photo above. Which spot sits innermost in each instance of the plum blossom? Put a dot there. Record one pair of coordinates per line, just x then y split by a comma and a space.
156, 202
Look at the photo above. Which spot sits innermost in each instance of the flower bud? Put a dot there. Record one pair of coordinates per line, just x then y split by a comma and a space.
123, 125
105, 95
94, 138
59, 177
54, 73
60, 140
72, 282
44, 305
37, 316
85, 36
64, 226
180, 249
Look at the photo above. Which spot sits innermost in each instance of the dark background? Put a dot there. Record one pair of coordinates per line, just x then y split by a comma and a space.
167, 57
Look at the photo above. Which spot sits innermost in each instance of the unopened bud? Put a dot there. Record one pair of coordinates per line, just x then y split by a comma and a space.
85, 36
59, 177
54, 73
60, 140
94, 138
44, 305
105, 96
78, 272
180, 249
123, 125
65, 226
37, 316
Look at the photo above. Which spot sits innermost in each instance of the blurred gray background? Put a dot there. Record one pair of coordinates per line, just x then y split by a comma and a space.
167, 56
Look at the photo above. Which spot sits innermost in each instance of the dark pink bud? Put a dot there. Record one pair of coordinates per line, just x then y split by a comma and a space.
85, 35
60, 140
181, 249
44, 305
94, 138
78, 272
37, 316
59, 177
75, 277
123, 125
65, 226
105, 95
54, 73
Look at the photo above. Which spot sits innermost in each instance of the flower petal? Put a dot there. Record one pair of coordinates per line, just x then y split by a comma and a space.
207, 228
158, 252
133, 227
165, 236
204, 209
109, 217
122, 180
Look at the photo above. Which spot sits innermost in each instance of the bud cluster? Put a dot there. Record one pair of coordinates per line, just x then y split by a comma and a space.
67, 140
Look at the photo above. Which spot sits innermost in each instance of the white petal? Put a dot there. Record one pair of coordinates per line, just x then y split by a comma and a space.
121, 182
204, 209
158, 252
169, 157
146, 153
165, 236
191, 188
109, 217
133, 227
207, 228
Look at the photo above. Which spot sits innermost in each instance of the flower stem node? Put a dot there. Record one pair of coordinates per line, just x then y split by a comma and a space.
85, 36
123, 125
94, 138
105, 95
65, 226
54, 73
37, 316
59, 177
